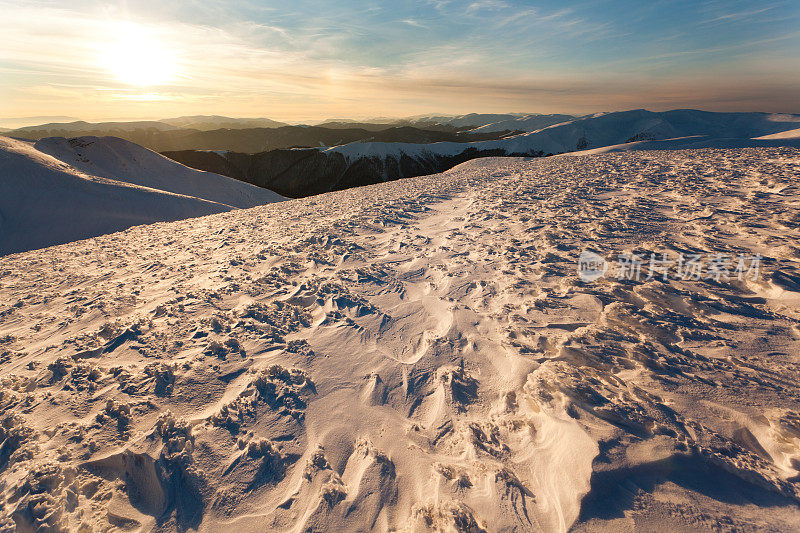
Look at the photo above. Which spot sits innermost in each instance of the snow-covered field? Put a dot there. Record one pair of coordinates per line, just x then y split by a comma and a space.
419, 354
60, 190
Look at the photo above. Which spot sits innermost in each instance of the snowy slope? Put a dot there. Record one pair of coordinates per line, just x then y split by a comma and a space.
123, 160
419, 355
791, 134
627, 126
45, 200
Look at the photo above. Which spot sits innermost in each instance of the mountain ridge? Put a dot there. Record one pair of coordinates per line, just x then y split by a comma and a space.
315, 170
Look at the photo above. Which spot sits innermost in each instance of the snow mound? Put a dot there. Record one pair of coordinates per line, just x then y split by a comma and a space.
57, 190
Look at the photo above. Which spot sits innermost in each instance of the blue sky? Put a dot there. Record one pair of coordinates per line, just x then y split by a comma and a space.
310, 59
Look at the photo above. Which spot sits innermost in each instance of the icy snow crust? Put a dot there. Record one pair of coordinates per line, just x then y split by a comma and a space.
418, 355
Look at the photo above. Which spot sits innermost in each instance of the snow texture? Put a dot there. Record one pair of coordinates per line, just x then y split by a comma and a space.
417, 355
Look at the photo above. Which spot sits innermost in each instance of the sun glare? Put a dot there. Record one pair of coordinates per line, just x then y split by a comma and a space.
137, 57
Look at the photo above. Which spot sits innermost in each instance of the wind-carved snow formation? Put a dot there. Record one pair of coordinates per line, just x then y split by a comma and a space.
418, 355
60, 190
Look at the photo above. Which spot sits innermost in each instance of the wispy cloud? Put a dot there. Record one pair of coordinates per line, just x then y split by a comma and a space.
415, 23
739, 15
486, 5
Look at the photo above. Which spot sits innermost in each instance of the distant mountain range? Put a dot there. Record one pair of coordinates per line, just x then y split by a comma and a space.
468, 121
471, 120
213, 132
79, 127
298, 161
305, 172
54, 126
10, 123
604, 129
524, 123
216, 122
162, 137
380, 126
60, 190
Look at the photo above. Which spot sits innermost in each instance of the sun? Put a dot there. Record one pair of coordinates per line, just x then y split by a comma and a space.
137, 57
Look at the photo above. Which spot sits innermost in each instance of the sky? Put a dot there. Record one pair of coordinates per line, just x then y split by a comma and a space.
310, 60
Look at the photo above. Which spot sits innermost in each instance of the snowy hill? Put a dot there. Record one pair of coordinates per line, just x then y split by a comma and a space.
628, 126
420, 355
125, 161
602, 130
58, 190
